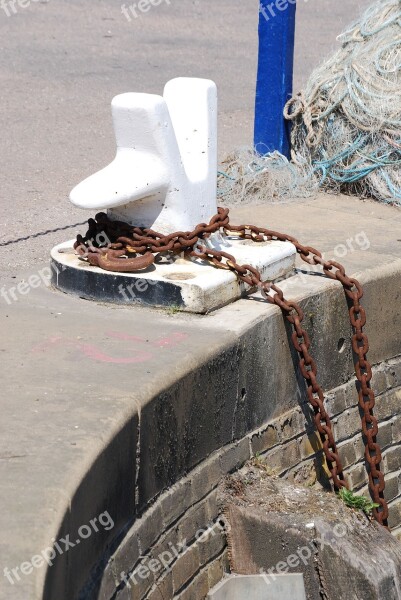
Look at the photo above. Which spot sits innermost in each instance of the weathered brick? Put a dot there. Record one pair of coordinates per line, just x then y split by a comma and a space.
234, 457
364, 491
379, 382
391, 490
322, 470
397, 430
141, 581
394, 373
283, 457
347, 453
388, 405
357, 476
176, 501
290, 425
394, 516
128, 553
309, 445
109, 582
213, 508
385, 435
205, 477
196, 589
124, 594
335, 401
264, 440
211, 545
359, 447
217, 569
392, 459
186, 567
163, 589
351, 394
169, 544
195, 522
195, 519
150, 528
347, 424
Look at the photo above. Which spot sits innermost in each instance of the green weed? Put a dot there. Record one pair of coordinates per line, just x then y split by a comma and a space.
358, 502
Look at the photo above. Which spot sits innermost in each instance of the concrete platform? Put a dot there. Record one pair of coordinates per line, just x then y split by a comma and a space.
190, 285
78, 380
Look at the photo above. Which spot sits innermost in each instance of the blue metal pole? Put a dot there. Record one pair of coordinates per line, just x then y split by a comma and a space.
275, 75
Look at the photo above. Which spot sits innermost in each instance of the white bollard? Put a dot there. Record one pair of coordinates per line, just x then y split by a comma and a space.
164, 175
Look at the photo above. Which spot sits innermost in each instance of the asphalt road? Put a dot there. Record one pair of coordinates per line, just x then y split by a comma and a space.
62, 61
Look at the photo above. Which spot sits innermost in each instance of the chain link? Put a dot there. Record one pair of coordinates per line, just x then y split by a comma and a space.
134, 248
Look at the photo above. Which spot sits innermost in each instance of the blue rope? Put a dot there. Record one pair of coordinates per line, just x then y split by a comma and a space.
359, 169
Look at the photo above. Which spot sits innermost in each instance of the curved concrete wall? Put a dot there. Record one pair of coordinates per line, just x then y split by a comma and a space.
158, 474
177, 548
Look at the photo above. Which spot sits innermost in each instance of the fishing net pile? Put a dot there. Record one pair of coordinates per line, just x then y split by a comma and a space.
346, 125
247, 177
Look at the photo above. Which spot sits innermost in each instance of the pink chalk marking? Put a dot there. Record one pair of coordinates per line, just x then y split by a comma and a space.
47, 344
172, 340
94, 353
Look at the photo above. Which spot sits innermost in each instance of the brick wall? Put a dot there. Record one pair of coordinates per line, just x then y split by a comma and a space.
292, 449
175, 525
184, 530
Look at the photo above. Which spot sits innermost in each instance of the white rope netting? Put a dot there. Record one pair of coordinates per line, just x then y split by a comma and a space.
346, 133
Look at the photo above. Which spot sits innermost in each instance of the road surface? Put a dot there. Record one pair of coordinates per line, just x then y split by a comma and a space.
62, 61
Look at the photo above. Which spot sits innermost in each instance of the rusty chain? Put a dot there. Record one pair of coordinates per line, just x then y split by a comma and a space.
130, 249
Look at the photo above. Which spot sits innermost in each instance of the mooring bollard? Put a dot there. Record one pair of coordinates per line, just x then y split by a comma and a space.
164, 173
164, 177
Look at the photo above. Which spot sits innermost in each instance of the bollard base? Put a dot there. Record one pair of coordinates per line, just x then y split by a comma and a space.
185, 284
